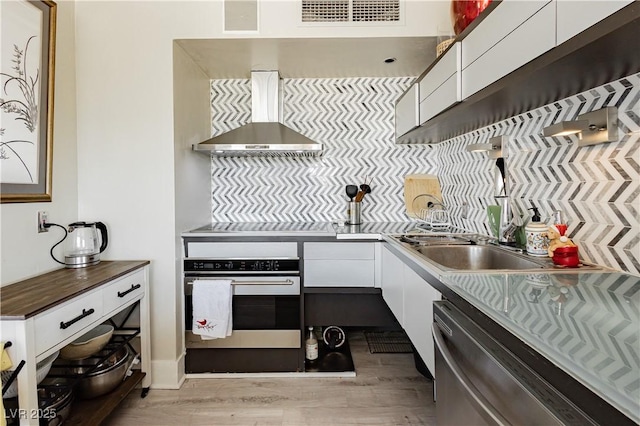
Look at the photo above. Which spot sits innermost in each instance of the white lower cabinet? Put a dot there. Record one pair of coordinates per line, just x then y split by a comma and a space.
410, 298
342, 264
418, 315
393, 283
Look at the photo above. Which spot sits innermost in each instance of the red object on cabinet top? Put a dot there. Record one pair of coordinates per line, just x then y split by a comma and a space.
463, 12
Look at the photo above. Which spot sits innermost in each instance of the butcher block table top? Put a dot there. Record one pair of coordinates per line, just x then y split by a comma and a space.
32, 296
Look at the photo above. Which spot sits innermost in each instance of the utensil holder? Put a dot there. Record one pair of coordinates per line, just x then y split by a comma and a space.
353, 213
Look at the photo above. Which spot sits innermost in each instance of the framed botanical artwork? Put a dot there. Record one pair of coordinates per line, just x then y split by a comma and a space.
27, 49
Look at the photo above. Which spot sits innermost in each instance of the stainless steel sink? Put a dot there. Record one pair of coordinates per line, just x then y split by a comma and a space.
479, 257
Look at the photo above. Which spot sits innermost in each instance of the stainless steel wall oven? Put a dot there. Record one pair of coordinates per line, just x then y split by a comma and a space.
266, 311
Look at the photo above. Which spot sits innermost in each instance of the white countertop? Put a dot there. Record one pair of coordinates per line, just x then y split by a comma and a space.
585, 322
588, 324
262, 229
365, 231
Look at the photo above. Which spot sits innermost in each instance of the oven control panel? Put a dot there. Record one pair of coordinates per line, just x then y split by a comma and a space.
241, 265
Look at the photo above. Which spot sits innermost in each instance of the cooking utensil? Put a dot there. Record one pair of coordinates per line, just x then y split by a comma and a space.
352, 191
366, 186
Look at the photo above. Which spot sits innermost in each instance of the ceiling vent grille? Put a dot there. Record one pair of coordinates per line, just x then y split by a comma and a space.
376, 10
325, 10
350, 10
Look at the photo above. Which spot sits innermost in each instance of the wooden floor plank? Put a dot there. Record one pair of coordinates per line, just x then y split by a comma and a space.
387, 390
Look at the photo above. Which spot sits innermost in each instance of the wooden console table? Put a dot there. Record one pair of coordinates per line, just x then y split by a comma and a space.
42, 314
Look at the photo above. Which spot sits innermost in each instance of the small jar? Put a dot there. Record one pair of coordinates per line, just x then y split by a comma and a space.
537, 241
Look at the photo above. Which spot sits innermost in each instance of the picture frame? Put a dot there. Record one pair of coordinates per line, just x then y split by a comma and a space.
27, 71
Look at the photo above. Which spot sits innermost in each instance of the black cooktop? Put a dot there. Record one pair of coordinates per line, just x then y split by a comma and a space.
232, 227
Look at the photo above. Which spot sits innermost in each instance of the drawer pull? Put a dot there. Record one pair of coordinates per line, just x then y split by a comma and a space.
133, 288
85, 313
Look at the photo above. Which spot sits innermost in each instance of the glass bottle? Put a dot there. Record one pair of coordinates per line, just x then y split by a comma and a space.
311, 346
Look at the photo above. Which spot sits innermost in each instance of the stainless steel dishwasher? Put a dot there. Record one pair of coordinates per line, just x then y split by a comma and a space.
479, 382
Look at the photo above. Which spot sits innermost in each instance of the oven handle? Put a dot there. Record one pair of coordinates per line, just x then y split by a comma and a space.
233, 282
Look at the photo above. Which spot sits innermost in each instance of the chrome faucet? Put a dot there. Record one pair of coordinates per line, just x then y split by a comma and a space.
506, 229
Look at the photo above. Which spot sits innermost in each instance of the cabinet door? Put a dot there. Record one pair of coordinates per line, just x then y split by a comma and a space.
343, 264
418, 315
406, 111
528, 41
440, 88
576, 16
393, 283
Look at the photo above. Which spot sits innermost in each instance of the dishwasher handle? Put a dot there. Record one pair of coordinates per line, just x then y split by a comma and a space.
485, 409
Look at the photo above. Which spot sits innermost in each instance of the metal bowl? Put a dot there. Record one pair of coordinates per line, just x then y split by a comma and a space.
55, 403
104, 378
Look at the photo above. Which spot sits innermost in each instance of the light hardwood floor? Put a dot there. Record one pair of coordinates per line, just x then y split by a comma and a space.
387, 390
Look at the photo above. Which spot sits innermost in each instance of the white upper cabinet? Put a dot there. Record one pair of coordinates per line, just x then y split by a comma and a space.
576, 16
513, 34
406, 112
441, 87
485, 77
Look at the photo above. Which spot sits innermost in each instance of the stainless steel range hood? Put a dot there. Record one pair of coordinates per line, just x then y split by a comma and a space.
265, 135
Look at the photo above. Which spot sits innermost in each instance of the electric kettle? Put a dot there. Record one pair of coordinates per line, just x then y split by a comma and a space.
84, 245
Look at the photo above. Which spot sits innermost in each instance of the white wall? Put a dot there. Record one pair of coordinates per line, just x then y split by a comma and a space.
23, 251
192, 112
126, 132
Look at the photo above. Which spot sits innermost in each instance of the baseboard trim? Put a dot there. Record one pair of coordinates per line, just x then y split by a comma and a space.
168, 374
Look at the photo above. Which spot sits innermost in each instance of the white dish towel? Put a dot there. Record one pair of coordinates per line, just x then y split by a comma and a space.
212, 313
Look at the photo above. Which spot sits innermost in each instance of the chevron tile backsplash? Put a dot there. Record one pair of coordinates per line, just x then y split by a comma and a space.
352, 118
597, 187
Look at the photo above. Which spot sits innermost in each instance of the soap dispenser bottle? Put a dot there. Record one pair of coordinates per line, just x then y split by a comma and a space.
536, 232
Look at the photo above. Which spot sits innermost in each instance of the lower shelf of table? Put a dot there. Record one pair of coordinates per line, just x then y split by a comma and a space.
94, 411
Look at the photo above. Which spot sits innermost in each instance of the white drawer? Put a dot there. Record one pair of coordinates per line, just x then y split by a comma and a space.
59, 324
497, 25
537, 34
339, 273
406, 111
448, 94
447, 65
243, 250
339, 251
123, 291
576, 16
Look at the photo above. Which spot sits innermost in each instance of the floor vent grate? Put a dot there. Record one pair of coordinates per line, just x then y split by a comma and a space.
388, 342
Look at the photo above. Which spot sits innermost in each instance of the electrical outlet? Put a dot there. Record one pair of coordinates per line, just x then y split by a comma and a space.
465, 210
43, 217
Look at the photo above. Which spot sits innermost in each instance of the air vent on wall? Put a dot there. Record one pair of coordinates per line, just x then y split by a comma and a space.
350, 10
376, 10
